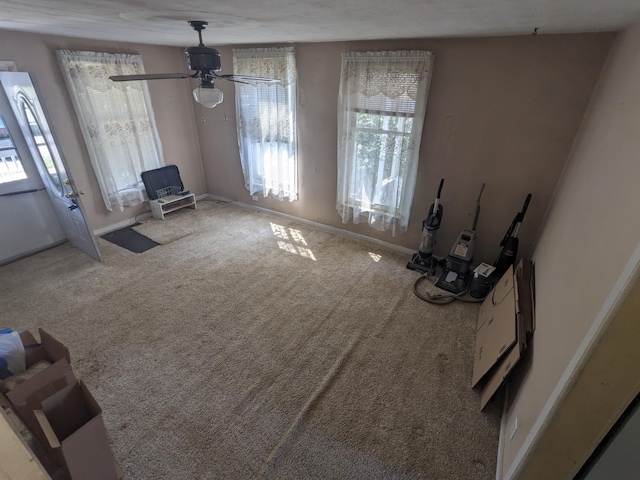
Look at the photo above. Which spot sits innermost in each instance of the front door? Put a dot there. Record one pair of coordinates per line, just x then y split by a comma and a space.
30, 116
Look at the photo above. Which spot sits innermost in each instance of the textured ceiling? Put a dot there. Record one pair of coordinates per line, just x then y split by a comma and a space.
163, 22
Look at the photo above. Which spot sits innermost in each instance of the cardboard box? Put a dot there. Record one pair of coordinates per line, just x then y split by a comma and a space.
28, 396
72, 423
505, 324
61, 413
48, 349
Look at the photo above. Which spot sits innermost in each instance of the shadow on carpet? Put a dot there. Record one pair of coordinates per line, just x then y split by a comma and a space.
130, 239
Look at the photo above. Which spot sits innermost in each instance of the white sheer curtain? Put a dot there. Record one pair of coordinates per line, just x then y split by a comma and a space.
381, 106
266, 121
116, 120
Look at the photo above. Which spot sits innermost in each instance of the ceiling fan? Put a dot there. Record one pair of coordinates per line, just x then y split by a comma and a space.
205, 62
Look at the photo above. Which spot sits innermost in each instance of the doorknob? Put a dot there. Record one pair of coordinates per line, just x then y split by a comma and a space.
74, 194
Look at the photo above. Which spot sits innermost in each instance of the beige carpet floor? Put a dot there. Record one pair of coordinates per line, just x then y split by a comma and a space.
247, 346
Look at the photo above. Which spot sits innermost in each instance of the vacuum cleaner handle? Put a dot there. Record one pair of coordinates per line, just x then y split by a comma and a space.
440, 188
436, 205
512, 231
524, 207
477, 210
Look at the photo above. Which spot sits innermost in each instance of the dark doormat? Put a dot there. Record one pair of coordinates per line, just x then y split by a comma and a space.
130, 239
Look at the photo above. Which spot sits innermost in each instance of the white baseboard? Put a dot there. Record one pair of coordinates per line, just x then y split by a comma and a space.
319, 226
502, 436
110, 228
125, 223
6, 261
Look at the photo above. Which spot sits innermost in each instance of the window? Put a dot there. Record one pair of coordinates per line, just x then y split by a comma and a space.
10, 164
381, 106
116, 120
52, 166
266, 121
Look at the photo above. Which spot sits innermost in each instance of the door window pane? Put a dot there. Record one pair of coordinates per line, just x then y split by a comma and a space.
10, 164
41, 144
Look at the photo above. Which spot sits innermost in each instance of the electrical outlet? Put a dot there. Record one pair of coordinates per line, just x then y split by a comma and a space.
254, 197
514, 429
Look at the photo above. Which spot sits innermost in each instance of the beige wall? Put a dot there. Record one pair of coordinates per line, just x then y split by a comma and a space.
591, 234
502, 110
172, 103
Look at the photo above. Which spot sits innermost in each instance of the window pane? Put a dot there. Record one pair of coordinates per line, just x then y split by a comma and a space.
41, 144
382, 104
117, 122
381, 150
266, 121
10, 164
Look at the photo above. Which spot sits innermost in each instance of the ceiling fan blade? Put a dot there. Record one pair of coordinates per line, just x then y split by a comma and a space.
148, 76
247, 79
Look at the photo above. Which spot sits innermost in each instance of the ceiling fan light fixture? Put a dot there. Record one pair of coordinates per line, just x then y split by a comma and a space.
208, 97
205, 62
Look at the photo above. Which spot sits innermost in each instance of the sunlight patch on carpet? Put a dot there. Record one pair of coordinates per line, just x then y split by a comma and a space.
376, 257
292, 241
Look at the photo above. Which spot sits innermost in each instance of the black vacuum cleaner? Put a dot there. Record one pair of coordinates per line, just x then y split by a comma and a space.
509, 243
482, 283
455, 274
424, 261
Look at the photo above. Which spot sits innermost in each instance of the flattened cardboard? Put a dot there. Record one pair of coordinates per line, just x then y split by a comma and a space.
495, 297
521, 321
504, 365
72, 422
524, 277
497, 330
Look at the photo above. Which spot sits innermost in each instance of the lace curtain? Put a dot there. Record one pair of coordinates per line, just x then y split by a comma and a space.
116, 120
266, 121
381, 107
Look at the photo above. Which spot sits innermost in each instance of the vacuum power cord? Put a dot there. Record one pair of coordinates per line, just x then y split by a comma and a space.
442, 299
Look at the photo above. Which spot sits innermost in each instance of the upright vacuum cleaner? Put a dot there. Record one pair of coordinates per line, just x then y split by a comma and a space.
455, 274
509, 243
424, 261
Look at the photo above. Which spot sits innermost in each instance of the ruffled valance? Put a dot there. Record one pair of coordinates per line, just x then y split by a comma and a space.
392, 74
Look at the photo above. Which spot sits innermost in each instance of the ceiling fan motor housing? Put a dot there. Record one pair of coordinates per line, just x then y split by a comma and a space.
203, 59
